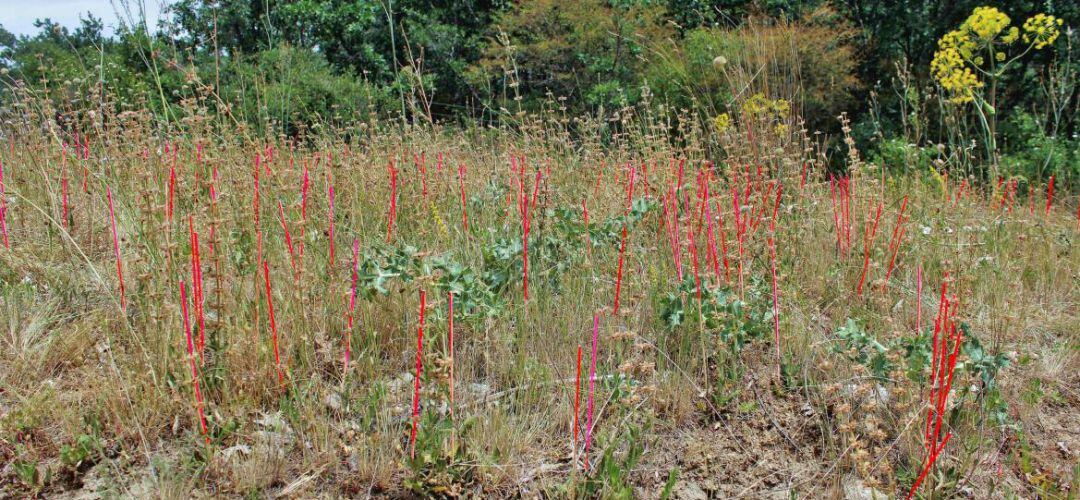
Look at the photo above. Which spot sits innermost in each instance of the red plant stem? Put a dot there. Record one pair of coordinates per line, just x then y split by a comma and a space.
464, 206
802, 181
776, 304
622, 245
868, 241
347, 338
935, 352
711, 235
776, 208
255, 200
268, 152
438, 163
330, 232
577, 401
918, 300
931, 458
273, 326
836, 214
618, 276
676, 240
421, 165
256, 211
527, 209
116, 247
288, 240
848, 195
450, 334
960, 192
592, 383
525, 249
723, 242
191, 361
170, 203
64, 214
196, 283
3, 208
392, 213
739, 232
692, 245
304, 188
942, 370
1004, 194
416, 380
1049, 194
894, 242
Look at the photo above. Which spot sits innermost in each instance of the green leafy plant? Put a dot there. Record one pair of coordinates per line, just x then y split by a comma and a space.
861, 347
84, 448
437, 466
611, 476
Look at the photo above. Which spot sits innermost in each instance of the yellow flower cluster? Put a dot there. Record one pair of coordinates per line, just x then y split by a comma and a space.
1042, 30
986, 23
759, 105
722, 122
987, 29
950, 71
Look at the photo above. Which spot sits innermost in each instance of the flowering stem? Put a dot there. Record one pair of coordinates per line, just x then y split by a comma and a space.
273, 326
592, 383
116, 248
191, 361
416, 380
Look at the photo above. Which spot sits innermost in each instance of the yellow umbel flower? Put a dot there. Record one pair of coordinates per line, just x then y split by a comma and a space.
760, 106
722, 122
757, 104
1012, 36
985, 23
1042, 30
781, 107
950, 72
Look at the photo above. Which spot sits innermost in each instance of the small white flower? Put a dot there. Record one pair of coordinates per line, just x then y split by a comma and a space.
926, 230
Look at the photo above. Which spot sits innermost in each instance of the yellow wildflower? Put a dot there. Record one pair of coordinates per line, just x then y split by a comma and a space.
781, 107
1042, 30
757, 104
986, 23
722, 122
1012, 36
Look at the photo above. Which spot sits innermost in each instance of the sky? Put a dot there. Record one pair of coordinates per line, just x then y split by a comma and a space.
17, 16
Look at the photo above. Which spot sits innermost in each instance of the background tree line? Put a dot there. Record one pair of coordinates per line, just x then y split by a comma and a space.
283, 66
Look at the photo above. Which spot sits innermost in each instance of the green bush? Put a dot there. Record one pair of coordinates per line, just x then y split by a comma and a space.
1034, 155
811, 60
291, 89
